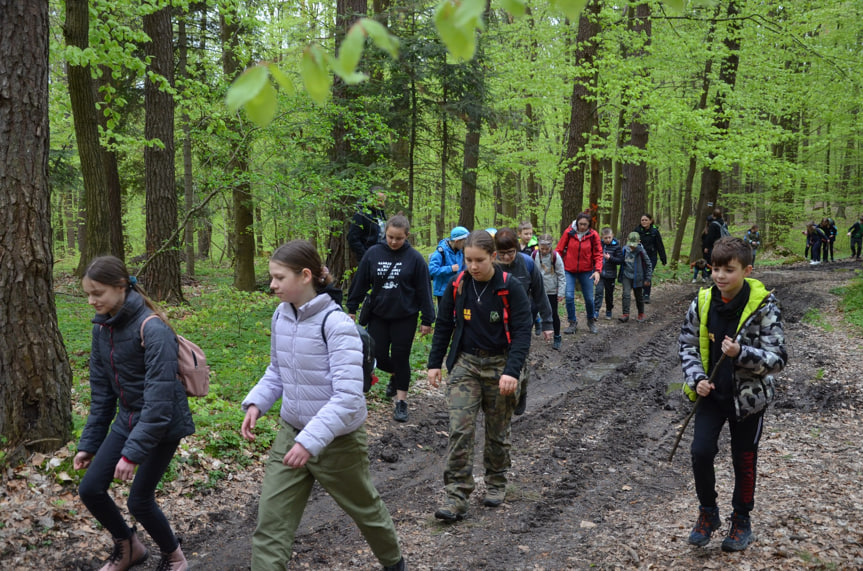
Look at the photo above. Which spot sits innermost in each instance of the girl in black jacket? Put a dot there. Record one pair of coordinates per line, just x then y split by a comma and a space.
651, 239
137, 387
398, 277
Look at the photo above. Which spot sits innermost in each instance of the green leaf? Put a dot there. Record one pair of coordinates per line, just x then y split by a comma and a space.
350, 51
246, 87
460, 41
676, 5
316, 77
381, 37
262, 108
515, 7
571, 8
282, 79
468, 14
353, 78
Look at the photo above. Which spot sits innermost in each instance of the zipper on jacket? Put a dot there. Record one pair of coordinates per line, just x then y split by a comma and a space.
114, 369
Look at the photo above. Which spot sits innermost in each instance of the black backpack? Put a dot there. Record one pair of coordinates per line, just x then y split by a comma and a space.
369, 377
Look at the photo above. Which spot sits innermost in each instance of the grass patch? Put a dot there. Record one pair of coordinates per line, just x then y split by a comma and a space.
814, 316
852, 303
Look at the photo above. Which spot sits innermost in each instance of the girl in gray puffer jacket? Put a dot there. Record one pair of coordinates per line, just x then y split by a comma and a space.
322, 436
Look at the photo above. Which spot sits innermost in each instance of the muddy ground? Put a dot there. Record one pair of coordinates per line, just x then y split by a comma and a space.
591, 485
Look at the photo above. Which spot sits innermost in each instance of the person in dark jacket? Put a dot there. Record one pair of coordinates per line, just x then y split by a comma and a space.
400, 291
651, 240
139, 412
856, 233
367, 225
816, 242
828, 226
485, 323
612, 257
716, 228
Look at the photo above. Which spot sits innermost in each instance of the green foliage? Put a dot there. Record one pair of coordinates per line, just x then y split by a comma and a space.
852, 303
457, 23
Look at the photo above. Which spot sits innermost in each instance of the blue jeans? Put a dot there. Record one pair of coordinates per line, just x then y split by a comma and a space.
586, 291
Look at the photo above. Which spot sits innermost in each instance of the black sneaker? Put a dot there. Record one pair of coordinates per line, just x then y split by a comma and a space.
450, 512
400, 566
708, 522
391, 390
557, 341
537, 329
740, 534
401, 412
522, 405
591, 325
571, 329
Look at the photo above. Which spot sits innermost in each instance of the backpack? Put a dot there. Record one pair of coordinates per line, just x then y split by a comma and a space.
369, 377
504, 297
438, 250
723, 228
554, 256
192, 368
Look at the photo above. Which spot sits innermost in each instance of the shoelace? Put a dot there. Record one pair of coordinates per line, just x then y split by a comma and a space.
117, 553
703, 523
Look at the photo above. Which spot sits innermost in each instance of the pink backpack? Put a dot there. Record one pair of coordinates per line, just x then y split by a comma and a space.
192, 366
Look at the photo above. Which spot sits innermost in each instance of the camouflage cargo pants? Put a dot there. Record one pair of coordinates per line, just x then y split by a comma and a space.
473, 384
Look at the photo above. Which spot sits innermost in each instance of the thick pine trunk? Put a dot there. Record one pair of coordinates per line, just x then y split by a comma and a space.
467, 203
35, 377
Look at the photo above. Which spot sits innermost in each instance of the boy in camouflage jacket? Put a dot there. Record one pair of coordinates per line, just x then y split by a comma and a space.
733, 331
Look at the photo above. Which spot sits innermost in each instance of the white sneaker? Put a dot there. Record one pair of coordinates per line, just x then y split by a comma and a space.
813, 263
693, 280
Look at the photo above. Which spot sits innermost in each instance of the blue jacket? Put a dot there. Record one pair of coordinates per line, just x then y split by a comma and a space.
441, 262
135, 387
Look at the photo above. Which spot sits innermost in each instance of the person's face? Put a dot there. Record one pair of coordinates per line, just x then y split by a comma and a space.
396, 237
607, 238
105, 299
645, 222
288, 285
479, 263
545, 249
507, 257
380, 199
582, 225
729, 277
525, 235
458, 244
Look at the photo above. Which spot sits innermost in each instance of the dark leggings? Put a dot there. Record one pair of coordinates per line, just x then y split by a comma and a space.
142, 493
604, 288
393, 341
654, 257
555, 316
709, 419
856, 244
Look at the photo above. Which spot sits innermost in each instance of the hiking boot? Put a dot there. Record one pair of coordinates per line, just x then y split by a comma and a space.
400, 566
401, 412
708, 522
391, 390
451, 512
640, 318
646, 299
623, 318
126, 553
740, 534
174, 561
522, 404
494, 497
591, 324
608, 315
571, 329
537, 328
557, 341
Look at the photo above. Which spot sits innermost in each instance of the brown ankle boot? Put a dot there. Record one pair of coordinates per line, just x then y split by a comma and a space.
126, 554
174, 561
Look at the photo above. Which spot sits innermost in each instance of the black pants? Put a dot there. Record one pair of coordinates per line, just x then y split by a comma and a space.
142, 493
606, 288
856, 244
555, 316
654, 257
393, 341
709, 419
828, 249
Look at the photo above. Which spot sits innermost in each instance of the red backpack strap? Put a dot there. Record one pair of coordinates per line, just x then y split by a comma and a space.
455, 287
504, 297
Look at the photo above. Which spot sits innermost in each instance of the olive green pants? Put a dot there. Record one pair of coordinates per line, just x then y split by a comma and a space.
342, 469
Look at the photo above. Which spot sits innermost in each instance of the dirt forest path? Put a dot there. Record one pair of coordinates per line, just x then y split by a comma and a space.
591, 485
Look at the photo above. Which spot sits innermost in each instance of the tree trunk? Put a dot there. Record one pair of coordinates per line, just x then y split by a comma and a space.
35, 377
162, 273
83, 100
112, 182
444, 160
582, 115
238, 167
617, 174
188, 185
467, 204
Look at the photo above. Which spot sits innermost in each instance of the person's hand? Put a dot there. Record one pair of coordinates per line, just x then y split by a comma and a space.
507, 385
606, 256
353, 316
848, 234
425, 330
252, 416
434, 377
548, 335
454, 268
124, 470
297, 456
730, 347
704, 387
595, 278
560, 299
82, 460
646, 283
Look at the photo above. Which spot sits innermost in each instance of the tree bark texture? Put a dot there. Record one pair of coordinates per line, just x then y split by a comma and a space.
467, 202
582, 115
188, 184
162, 275
35, 377
112, 182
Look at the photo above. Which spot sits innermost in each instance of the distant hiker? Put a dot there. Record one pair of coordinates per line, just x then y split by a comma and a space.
526, 240
856, 233
322, 437
553, 278
730, 319
753, 238
635, 274
581, 250
523, 268
828, 226
367, 224
716, 229
816, 242
701, 265
485, 323
447, 260
398, 278
651, 241
612, 257
139, 412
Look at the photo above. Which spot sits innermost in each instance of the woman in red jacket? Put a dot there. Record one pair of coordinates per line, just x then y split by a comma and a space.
581, 250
